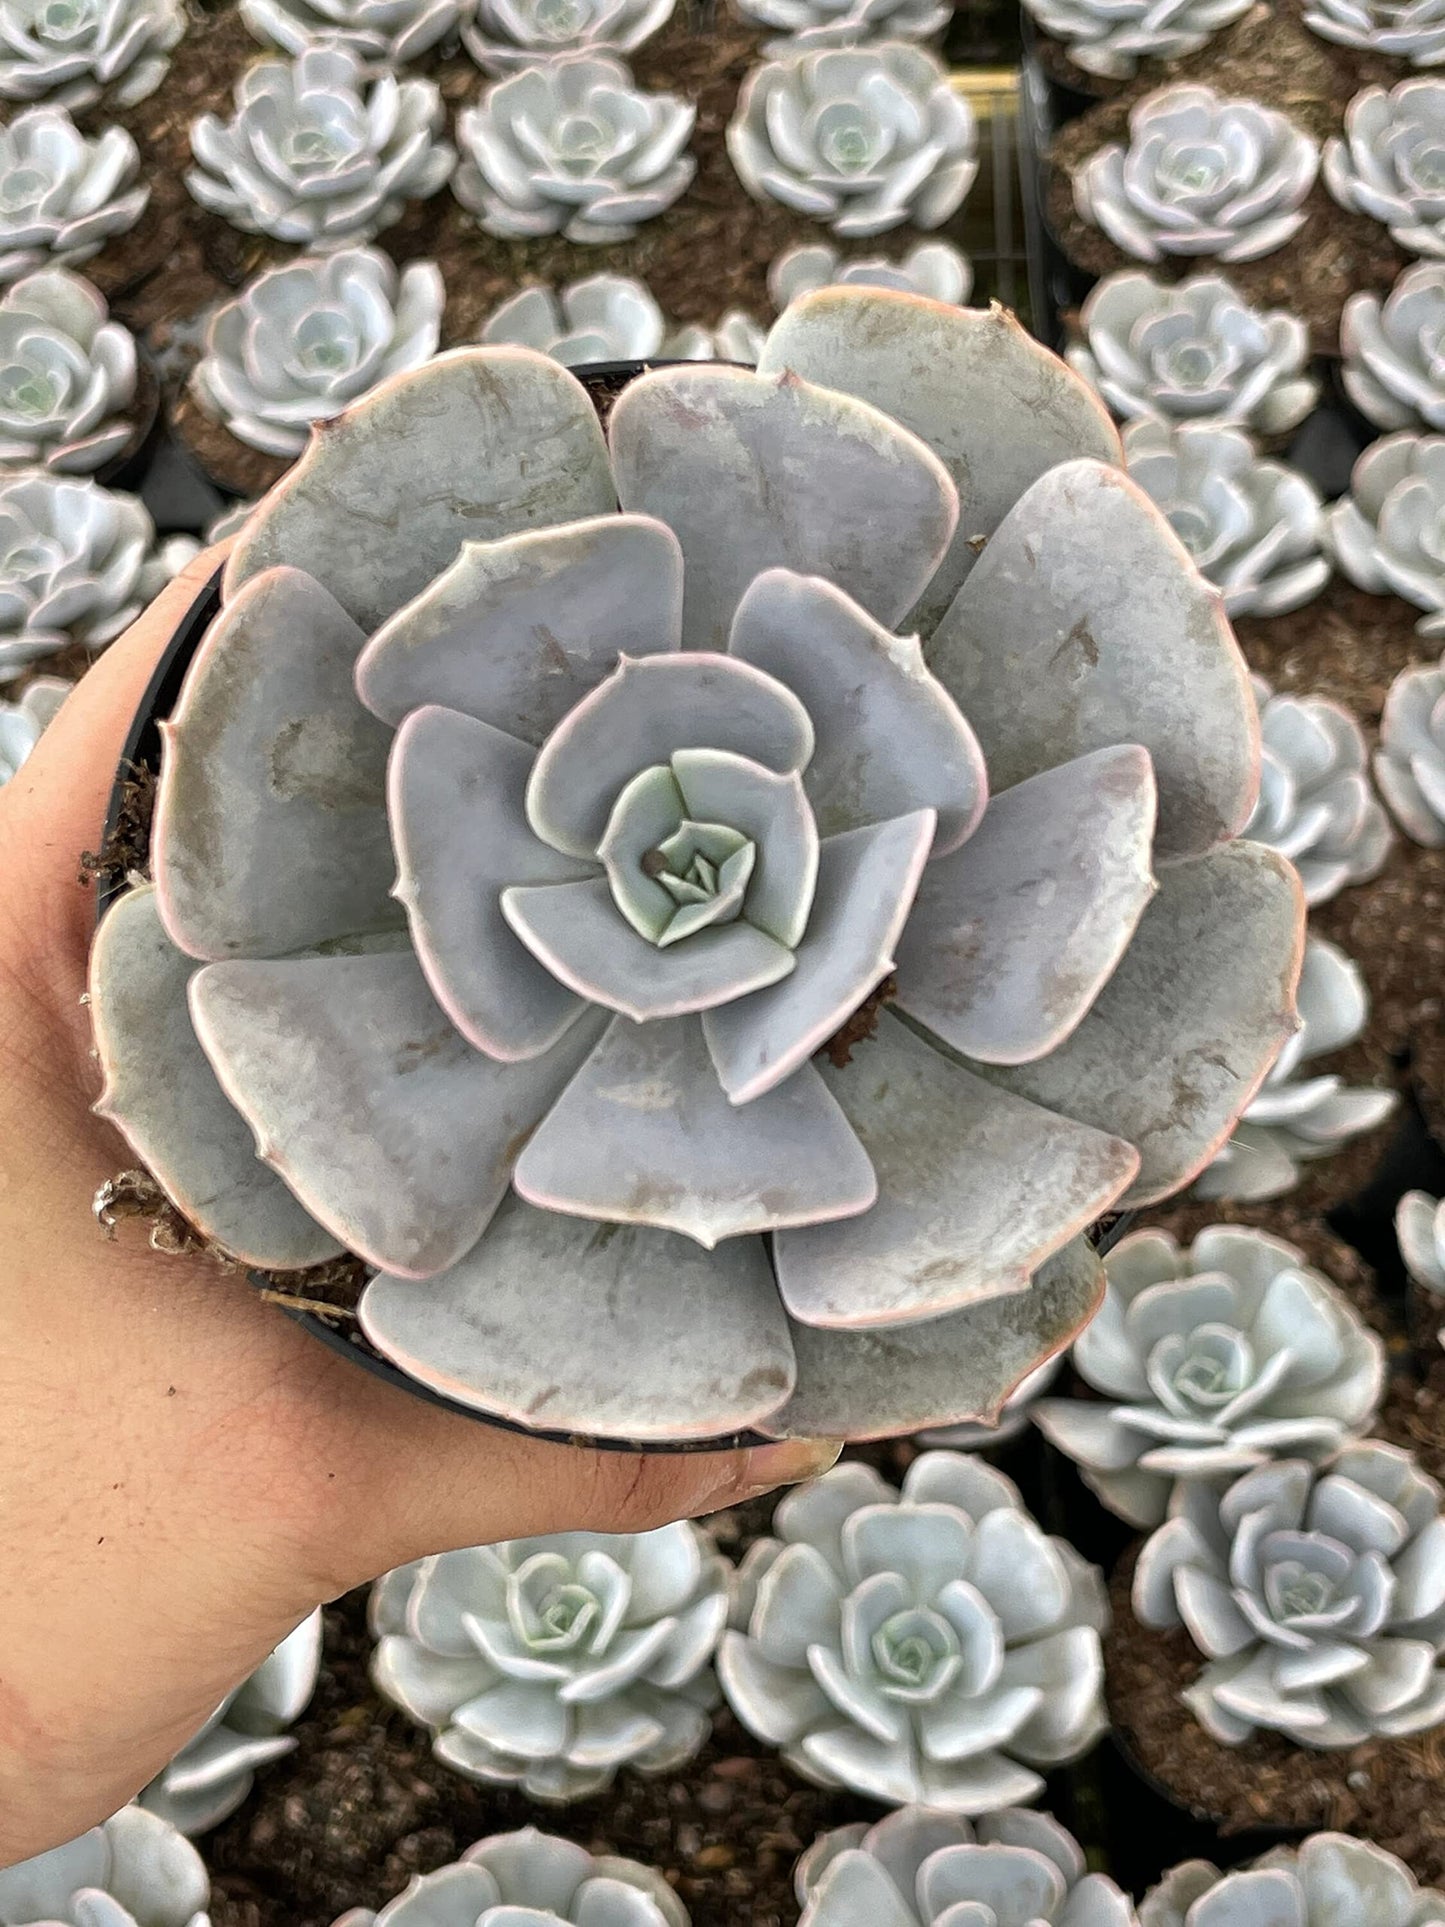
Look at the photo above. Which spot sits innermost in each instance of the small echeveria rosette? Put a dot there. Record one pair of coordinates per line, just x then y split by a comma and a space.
67, 377
302, 342
135, 1870
22, 723
602, 317
386, 33
1252, 525
1109, 38
1207, 1362
916, 1867
1420, 1233
864, 139
805, 26
1329, 1880
1388, 534
503, 36
573, 147
1302, 1114
1316, 1593
737, 336
213, 1773
1390, 162
69, 55
530, 1879
1412, 30
1194, 351
1410, 762
934, 269
63, 194
318, 153
551, 1663
929, 1646
1393, 351
1201, 173
1315, 804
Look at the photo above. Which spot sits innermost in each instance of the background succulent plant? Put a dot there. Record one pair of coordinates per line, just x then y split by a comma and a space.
549, 1663
1388, 162
572, 147
1383, 534
1393, 351
1328, 1878
506, 35
22, 723
864, 139
805, 25
1252, 525
1112, 39
1315, 802
1013, 1866
317, 153
134, 1871
1414, 29
1316, 1593
1420, 1230
1298, 1117
1201, 174
738, 336
603, 317
301, 342
924, 1214
1410, 762
63, 195
929, 1646
533, 1877
1209, 1361
212, 1774
70, 53
1193, 351
933, 268
390, 32
67, 376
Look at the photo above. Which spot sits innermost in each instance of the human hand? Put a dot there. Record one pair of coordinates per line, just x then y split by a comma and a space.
183, 1472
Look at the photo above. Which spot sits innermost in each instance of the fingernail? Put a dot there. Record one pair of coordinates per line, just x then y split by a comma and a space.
787, 1463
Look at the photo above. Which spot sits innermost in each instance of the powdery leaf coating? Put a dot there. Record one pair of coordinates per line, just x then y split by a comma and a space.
1327, 1880
70, 54
213, 1773
806, 25
864, 139
1392, 366
1209, 1362
1410, 762
136, 1870
302, 342
23, 723
572, 147
63, 195
1193, 351
1383, 533
1316, 1593
1300, 1115
389, 32
1387, 164
1112, 39
1014, 1416
1202, 173
549, 1663
932, 268
319, 154
67, 376
507, 35
927, 1645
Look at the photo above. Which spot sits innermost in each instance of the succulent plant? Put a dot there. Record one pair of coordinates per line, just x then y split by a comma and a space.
777, 529
1210, 1361
737, 337
1298, 1117
1329, 1880
549, 1663
72, 52
506, 35
1317, 1594
134, 1871
604, 317
864, 139
76, 565
530, 1879
1393, 351
388, 32
806, 25
67, 376
62, 194
1253, 526
212, 1774
1413, 29
933, 268
572, 147
1013, 1416
22, 723
931, 1645
915, 1866
1111, 39
1410, 762
1390, 162
1193, 351
317, 153
301, 343
1383, 534
1201, 174
1420, 1231
1315, 802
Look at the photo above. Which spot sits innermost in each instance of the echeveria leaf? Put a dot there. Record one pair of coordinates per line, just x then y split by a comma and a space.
773, 811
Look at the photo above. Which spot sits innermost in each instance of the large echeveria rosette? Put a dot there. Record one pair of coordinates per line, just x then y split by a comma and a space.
668, 800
